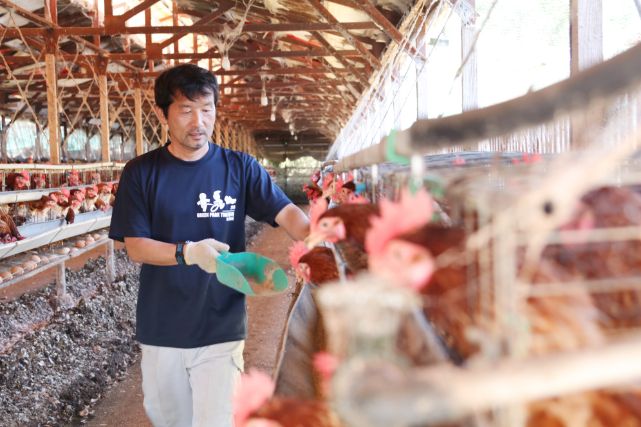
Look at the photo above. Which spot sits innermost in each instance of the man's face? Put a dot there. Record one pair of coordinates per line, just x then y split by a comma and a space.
191, 123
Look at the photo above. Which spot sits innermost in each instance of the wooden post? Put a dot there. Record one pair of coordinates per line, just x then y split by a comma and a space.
104, 110
38, 147
110, 261
586, 33
3, 142
52, 107
586, 49
233, 136
164, 134
217, 133
469, 77
88, 144
138, 119
174, 19
223, 134
61, 280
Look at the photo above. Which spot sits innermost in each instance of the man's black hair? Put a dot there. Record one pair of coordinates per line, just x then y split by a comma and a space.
188, 79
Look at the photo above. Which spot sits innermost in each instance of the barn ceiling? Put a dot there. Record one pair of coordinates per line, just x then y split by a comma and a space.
291, 71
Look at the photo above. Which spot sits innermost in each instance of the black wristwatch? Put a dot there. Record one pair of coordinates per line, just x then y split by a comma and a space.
180, 252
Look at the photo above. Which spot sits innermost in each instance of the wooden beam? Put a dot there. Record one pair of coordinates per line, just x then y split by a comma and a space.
217, 133
170, 29
469, 76
164, 133
3, 144
174, 21
157, 54
586, 50
586, 33
37, 19
422, 83
343, 30
137, 9
388, 28
138, 119
51, 11
204, 20
52, 108
51, 30
104, 118
277, 71
336, 54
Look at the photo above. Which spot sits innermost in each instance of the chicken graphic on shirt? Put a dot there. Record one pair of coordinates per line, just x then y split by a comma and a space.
203, 201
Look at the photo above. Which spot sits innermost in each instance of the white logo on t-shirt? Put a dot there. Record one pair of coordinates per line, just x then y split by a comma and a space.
215, 207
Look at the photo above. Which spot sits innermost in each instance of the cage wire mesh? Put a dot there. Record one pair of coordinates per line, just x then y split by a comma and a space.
552, 260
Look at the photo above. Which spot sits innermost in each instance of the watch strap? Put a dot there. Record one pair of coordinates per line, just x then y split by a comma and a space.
180, 252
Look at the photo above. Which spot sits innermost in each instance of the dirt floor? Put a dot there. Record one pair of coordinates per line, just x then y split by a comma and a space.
122, 404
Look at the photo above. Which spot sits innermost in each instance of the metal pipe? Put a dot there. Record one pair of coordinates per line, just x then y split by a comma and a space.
604, 80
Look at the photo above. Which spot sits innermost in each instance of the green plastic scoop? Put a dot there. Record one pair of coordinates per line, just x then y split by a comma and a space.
250, 273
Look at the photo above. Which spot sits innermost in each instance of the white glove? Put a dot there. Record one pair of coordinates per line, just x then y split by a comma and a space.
204, 253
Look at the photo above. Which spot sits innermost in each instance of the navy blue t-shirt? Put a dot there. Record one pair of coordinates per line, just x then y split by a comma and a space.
171, 200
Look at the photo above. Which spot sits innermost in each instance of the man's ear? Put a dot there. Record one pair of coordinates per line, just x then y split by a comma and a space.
161, 115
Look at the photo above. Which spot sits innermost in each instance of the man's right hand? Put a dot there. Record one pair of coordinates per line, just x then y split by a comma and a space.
204, 253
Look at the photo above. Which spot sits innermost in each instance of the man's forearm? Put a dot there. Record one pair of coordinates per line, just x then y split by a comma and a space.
149, 251
294, 221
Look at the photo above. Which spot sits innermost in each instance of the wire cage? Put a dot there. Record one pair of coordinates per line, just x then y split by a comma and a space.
550, 266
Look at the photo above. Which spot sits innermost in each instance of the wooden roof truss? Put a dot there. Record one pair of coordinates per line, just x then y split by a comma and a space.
308, 61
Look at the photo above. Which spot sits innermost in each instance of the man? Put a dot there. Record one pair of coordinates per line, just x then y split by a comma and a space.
191, 327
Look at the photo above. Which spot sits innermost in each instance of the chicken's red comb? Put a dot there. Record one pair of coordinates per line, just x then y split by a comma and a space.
327, 180
318, 207
65, 192
339, 184
252, 391
296, 251
325, 364
409, 213
25, 175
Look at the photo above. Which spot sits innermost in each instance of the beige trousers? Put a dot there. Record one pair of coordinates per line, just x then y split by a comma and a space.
191, 387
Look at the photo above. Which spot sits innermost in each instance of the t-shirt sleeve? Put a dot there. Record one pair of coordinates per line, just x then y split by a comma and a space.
130, 216
264, 198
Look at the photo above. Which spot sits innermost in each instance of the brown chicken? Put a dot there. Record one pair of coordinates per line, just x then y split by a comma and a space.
72, 210
17, 181
94, 178
316, 266
102, 205
62, 202
38, 181
8, 230
91, 196
73, 178
345, 226
41, 210
605, 207
451, 301
105, 197
255, 406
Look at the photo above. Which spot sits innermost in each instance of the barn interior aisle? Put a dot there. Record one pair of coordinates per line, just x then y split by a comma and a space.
469, 171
